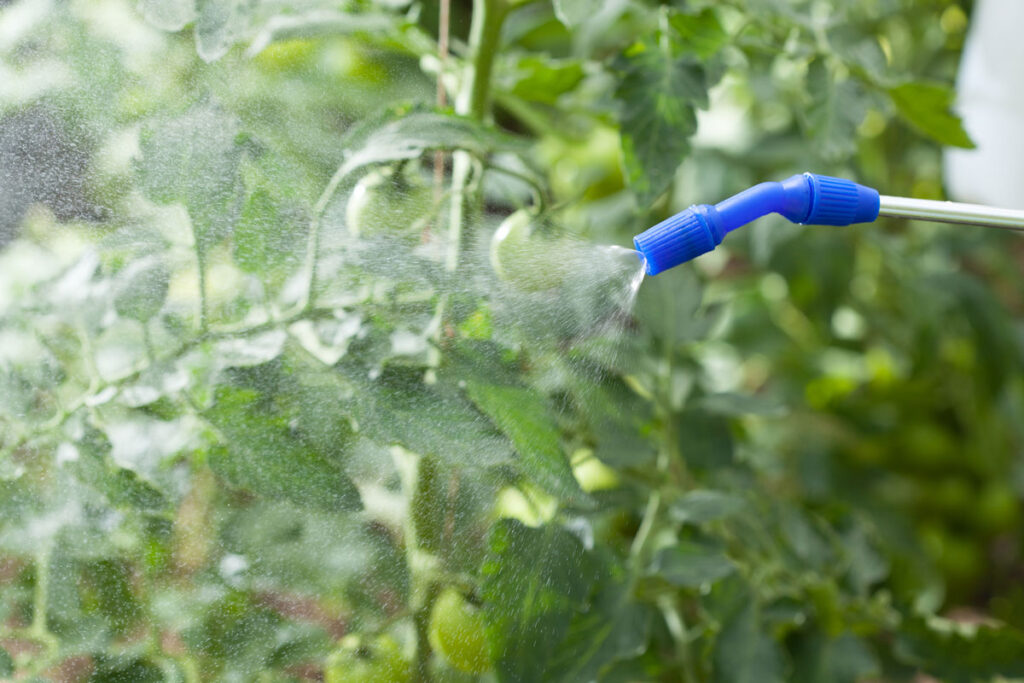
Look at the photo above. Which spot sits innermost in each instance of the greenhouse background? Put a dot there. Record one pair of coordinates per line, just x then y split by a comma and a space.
324, 354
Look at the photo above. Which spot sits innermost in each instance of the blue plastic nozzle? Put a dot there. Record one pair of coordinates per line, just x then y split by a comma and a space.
808, 198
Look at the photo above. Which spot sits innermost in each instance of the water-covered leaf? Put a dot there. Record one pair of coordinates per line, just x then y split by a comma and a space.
526, 419
614, 626
534, 580
6, 663
407, 137
319, 22
194, 159
89, 459
261, 453
141, 289
169, 15
220, 24
268, 234
398, 407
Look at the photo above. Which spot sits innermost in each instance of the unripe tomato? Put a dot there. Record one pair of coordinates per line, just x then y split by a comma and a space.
529, 505
591, 473
389, 201
357, 660
286, 55
528, 262
457, 632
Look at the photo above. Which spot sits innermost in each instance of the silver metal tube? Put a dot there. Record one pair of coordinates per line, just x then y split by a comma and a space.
951, 212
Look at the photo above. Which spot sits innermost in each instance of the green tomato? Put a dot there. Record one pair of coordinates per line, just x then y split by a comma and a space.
592, 167
457, 632
389, 201
530, 263
286, 55
527, 504
357, 660
592, 474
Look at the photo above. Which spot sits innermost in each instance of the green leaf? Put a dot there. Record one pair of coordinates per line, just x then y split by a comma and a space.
700, 506
412, 134
267, 234
700, 34
534, 581
324, 21
261, 453
398, 407
860, 52
737, 405
168, 15
193, 159
744, 652
658, 93
611, 628
668, 306
6, 663
960, 653
846, 659
705, 440
141, 289
690, 565
543, 79
835, 111
526, 419
572, 13
91, 464
336, 551
927, 107
221, 23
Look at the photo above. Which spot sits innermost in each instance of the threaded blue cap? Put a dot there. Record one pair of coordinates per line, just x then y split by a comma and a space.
680, 238
835, 201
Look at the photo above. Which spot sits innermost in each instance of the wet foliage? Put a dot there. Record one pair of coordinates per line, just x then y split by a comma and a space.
276, 405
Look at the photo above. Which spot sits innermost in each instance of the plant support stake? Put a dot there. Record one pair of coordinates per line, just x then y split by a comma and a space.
808, 199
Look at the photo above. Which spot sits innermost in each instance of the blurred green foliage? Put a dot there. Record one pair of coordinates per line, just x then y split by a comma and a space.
264, 390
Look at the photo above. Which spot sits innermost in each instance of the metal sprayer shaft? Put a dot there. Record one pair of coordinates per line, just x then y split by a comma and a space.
951, 212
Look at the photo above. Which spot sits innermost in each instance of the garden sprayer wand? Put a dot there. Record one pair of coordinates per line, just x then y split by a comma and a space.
808, 199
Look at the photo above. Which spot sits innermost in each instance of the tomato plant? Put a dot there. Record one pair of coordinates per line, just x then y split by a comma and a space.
313, 367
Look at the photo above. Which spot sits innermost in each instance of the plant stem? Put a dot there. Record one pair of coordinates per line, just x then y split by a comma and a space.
421, 622
484, 35
473, 100
201, 265
40, 593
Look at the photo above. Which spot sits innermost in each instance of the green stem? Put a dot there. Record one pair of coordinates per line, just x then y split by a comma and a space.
40, 594
39, 630
421, 622
473, 100
484, 36
203, 312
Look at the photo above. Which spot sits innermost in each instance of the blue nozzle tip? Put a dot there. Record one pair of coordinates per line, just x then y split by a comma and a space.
836, 201
678, 239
